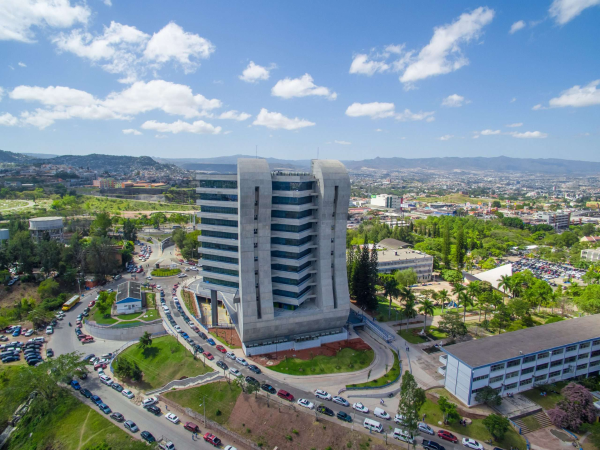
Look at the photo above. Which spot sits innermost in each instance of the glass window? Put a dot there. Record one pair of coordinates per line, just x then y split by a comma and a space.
291, 228
595, 353
556, 363
543, 355
512, 374
526, 382
554, 374
594, 363
293, 242
595, 343
542, 366
233, 273
286, 268
291, 281
513, 363
290, 255
528, 359
496, 379
526, 371
220, 234
218, 184
481, 377
497, 367
219, 258
567, 370
291, 214
224, 247
570, 348
219, 222
540, 378
583, 355
291, 294
219, 197
221, 282
584, 345
218, 209
582, 366
570, 359
292, 185
292, 200
558, 351
510, 386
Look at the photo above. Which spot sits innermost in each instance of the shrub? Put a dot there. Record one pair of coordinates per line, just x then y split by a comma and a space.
554, 319
576, 409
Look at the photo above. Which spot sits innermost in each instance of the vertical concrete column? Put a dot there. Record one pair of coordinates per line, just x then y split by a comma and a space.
214, 307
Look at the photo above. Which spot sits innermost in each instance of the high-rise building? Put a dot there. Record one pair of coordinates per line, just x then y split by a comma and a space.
273, 244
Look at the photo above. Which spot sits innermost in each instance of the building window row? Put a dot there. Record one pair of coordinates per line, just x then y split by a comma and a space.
292, 200
293, 242
528, 370
540, 378
219, 234
528, 359
584, 345
582, 366
558, 351
513, 363
570, 359
554, 374
526, 382
543, 355
219, 222
510, 386
542, 366
512, 374
233, 273
219, 197
595, 363
291, 281
216, 281
558, 362
292, 185
290, 255
571, 348
496, 379
218, 258
496, 367
595, 353
218, 184
224, 247
291, 214
291, 228
218, 209
289, 294
284, 306
286, 268
583, 355
481, 377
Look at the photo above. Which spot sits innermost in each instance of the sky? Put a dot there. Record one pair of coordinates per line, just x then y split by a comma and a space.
296, 80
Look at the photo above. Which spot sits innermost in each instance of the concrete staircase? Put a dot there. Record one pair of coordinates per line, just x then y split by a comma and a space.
533, 422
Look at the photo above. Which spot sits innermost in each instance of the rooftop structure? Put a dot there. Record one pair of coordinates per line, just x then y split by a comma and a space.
393, 257
50, 226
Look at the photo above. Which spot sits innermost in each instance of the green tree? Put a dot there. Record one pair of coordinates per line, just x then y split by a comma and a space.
363, 282
497, 425
427, 309
446, 245
21, 250
390, 288
408, 311
127, 369
101, 225
489, 396
460, 246
101, 257
589, 300
441, 296
40, 317
452, 324
412, 398
448, 409
49, 255
145, 340
496, 204
501, 318
48, 288
129, 230
406, 277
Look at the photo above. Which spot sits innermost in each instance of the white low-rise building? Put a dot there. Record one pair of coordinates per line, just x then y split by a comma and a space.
396, 255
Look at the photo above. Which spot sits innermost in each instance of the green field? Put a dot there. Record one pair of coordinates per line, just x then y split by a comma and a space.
455, 198
383, 310
389, 377
10, 204
98, 317
113, 205
129, 316
475, 430
219, 396
165, 272
164, 361
547, 401
346, 360
413, 338
70, 424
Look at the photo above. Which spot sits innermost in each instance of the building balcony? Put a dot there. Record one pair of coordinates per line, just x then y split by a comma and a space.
443, 359
293, 301
218, 216
216, 191
227, 229
223, 203
220, 276
295, 194
221, 264
292, 288
293, 275
293, 248
442, 370
217, 287
294, 262
294, 235
214, 251
215, 240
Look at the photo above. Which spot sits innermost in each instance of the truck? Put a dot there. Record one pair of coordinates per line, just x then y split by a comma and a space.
70, 303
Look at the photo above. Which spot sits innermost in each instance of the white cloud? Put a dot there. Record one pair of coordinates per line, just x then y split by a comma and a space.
8, 120
254, 73
578, 96
1, 93
514, 99
361, 64
343, 142
108, 2
198, 127
565, 10
454, 101
173, 43
132, 131
374, 110
446, 137
515, 125
64, 103
529, 135
22, 64
443, 53
489, 132
300, 87
234, 115
379, 130
17, 17
407, 115
275, 120
160, 136
517, 26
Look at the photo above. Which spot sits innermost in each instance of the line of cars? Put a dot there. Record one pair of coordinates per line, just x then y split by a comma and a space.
145, 253
31, 350
546, 270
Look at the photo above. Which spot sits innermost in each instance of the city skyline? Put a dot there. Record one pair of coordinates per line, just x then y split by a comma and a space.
468, 79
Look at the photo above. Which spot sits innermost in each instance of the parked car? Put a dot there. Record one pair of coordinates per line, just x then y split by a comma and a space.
75, 385
127, 393
212, 439
235, 372
154, 410
172, 418
447, 436
147, 436
209, 356
325, 410
360, 407
149, 401
131, 426
305, 403
424, 428
117, 387
222, 365
191, 426
221, 349
472, 443
96, 399
211, 341
340, 401
252, 380
432, 445
104, 408
254, 369
117, 416
241, 361
322, 394
285, 395
268, 388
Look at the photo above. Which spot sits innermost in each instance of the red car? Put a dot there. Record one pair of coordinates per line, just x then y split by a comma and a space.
92, 303
209, 356
87, 340
81, 337
191, 426
285, 395
212, 439
99, 365
447, 436
219, 347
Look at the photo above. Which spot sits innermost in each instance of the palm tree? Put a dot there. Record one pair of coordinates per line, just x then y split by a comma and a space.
457, 288
390, 288
505, 283
426, 308
409, 303
466, 300
442, 296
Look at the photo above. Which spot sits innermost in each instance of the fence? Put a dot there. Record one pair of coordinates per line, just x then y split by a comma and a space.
379, 331
210, 376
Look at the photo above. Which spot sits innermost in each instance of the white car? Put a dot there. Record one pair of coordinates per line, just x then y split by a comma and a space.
49, 330
305, 403
230, 355
424, 428
106, 380
110, 291
399, 419
177, 328
149, 277
230, 447
360, 407
149, 401
241, 361
472, 443
28, 333
235, 372
38, 339
158, 286
172, 418
127, 393
322, 394
340, 401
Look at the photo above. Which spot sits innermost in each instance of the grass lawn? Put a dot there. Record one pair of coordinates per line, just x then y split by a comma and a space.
476, 429
164, 361
436, 333
411, 336
70, 424
129, 316
383, 310
150, 314
150, 299
164, 272
100, 320
346, 360
548, 401
219, 398
390, 376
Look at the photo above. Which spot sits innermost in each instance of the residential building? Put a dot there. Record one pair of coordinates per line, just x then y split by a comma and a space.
387, 201
46, 226
519, 360
130, 298
590, 239
394, 255
274, 245
560, 220
591, 255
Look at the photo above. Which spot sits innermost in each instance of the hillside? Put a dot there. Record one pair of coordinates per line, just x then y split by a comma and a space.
16, 158
110, 163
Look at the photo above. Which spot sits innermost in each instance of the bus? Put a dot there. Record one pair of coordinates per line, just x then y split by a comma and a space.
70, 303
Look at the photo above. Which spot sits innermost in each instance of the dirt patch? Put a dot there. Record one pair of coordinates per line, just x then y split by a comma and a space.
229, 335
286, 427
18, 292
434, 397
272, 359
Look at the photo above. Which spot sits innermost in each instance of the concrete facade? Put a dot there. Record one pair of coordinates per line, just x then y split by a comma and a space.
560, 220
387, 201
274, 245
590, 255
42, 226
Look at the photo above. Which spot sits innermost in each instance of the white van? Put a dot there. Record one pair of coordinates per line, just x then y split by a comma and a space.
373, 425
381, 414
403, 435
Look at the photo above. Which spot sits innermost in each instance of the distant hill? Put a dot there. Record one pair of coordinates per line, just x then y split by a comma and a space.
110, 163
10, 157
39, 155
274, 163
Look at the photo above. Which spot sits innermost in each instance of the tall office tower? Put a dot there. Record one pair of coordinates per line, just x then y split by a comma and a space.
273, 250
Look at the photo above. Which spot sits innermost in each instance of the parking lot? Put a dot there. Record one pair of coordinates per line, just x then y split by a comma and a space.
544, 270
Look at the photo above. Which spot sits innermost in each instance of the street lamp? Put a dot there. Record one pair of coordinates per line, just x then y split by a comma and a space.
204, 405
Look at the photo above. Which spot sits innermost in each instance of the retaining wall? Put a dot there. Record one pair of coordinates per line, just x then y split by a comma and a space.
123, 334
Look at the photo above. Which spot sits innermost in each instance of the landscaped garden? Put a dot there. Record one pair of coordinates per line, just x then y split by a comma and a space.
346, 360
165, 272
165, 360
549, 400
101, 312
412, 334
391, 375
219, 398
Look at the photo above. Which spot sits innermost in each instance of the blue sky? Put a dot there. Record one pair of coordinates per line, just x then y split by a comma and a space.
354, 79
